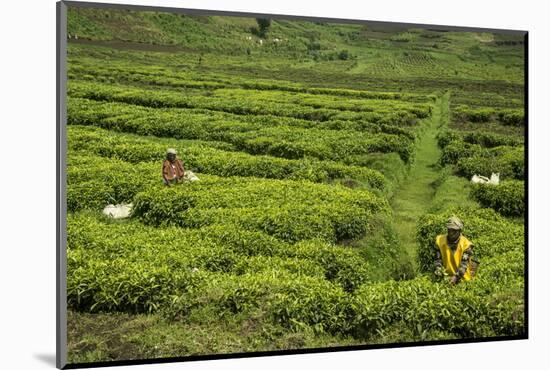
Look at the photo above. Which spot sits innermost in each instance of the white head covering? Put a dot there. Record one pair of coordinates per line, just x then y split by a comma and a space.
454, 223
171, 151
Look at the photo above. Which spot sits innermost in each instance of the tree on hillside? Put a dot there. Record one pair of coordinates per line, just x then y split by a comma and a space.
263, 26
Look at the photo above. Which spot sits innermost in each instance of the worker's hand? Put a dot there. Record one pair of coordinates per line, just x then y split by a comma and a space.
454, 280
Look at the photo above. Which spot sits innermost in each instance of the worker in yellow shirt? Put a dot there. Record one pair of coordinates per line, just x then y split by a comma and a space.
454, 253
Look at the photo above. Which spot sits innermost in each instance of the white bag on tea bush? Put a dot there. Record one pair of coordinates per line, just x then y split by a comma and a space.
118, 210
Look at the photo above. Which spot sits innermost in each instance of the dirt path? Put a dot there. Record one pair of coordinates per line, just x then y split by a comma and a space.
413, 198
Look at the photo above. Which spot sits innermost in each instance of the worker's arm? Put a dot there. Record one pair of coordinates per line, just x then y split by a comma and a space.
468, 253
438, 263
165, 173
438, 259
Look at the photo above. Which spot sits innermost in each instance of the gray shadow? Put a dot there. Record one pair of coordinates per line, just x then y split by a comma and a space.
47, 358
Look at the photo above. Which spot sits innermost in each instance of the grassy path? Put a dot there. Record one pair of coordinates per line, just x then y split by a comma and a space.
413, 198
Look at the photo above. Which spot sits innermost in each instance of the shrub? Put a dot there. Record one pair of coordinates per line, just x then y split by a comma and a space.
250, 136
201, 158
288, 210
512, 117
343, 55
508, 161
93, 182
480, 115
454, 151
263, 26
446, 137
115, 266
343, 266
419, 305
507, 198
491, 140
289, 300
422, 307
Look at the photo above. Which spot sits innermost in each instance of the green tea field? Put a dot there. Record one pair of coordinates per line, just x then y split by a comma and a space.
329, 156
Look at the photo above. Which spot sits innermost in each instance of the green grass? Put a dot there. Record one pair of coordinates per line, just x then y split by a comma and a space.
451, 191
415, 195
119, 336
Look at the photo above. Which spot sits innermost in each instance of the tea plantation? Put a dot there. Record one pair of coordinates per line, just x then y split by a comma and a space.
329, 158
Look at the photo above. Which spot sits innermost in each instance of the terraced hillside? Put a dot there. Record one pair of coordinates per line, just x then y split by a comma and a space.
329, 157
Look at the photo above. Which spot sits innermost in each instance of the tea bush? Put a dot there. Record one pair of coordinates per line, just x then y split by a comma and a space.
315, 108
199, 157
120, 70
464, 113
513, 117
458, 149
423, 306
253, 137
164, 262
288, 210
93, 182
507, 198
292, 301
491, 140
508, 161
341, 265
485, 139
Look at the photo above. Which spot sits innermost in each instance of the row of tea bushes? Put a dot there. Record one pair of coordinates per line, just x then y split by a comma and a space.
161, 77
289, 300
472, 158
241, 271
507, 198
322, 110
90, 112
131, 267
512, 117
509, 162
432, 310
254, 138
95, 181
200, 157
348, 104
485, 139
288, 210
419, 308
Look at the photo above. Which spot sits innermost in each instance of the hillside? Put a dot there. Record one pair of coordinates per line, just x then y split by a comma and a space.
329, 157
355, 50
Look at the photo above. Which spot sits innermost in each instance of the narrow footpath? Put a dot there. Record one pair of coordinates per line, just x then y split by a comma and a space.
413, 198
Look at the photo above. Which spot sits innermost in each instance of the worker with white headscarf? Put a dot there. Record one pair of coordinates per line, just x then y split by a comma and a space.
172, 168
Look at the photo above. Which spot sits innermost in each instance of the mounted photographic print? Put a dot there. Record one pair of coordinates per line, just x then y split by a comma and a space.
235, 184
